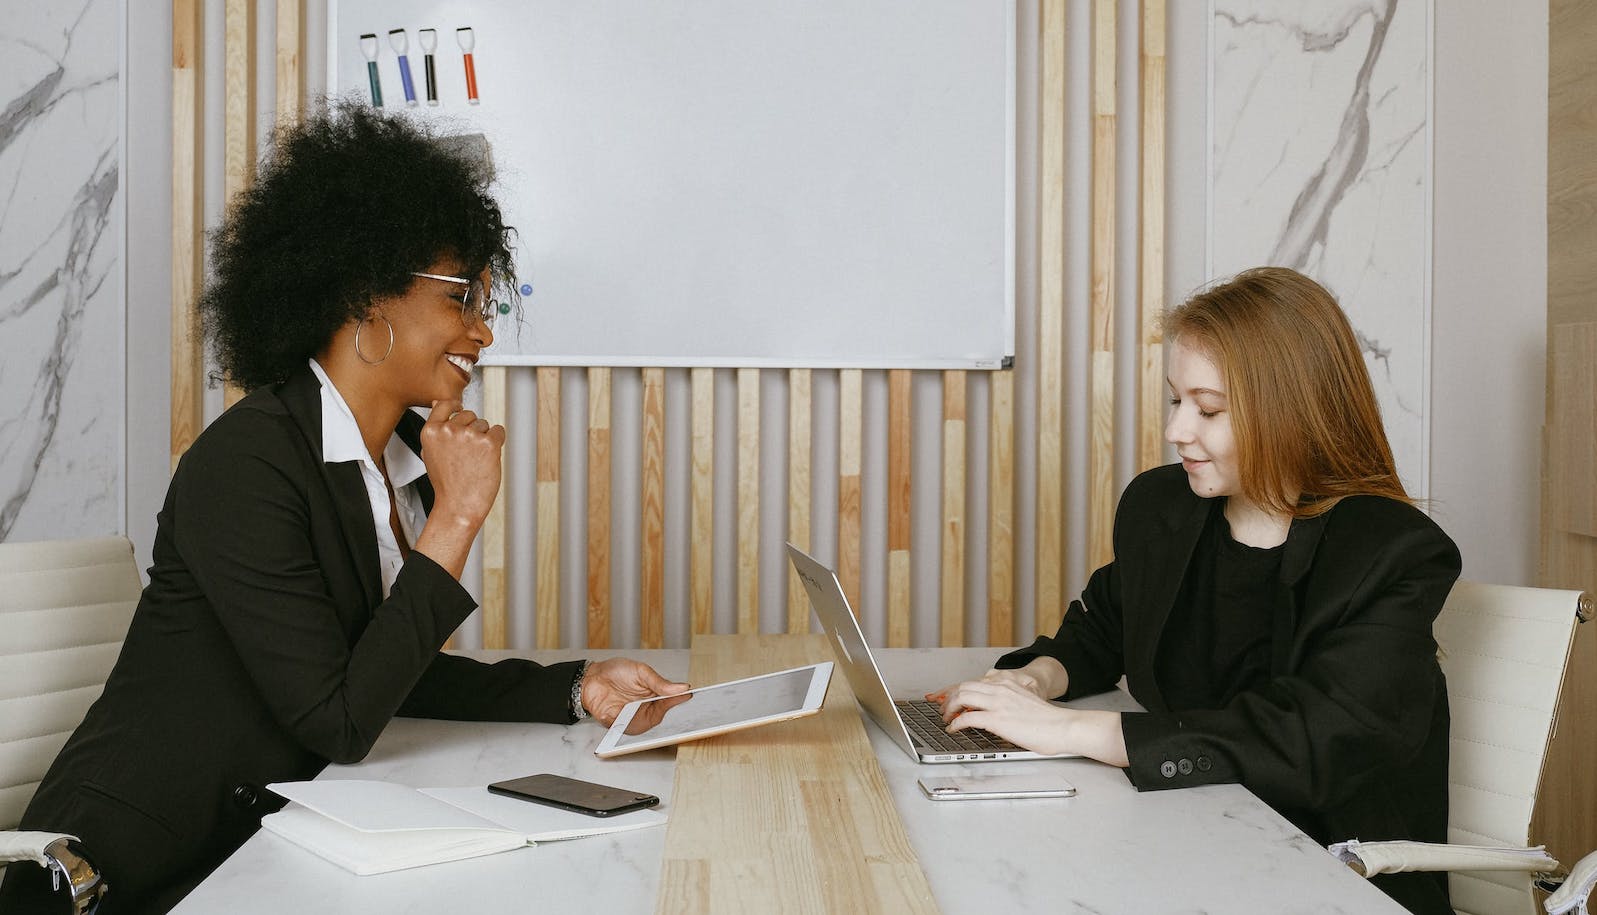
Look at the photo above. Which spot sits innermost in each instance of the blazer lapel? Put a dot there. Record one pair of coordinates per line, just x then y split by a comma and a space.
302, 395
1302, 541
1168, 557
360, 533
409, 432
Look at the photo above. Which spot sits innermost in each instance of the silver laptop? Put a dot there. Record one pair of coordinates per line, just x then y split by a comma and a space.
914, 724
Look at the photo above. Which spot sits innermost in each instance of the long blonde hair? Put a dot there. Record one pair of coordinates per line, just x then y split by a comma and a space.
1302, 407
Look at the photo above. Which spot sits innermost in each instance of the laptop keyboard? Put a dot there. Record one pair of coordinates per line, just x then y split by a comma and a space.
925, 722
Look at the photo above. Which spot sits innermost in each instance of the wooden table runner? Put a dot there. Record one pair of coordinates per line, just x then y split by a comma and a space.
793, 816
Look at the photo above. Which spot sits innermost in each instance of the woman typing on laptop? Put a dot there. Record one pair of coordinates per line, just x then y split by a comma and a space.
1271, 598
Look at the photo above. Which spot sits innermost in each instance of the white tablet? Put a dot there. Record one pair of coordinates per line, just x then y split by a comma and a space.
718, 709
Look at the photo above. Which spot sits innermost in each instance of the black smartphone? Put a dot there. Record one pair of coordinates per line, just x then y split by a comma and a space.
573, 794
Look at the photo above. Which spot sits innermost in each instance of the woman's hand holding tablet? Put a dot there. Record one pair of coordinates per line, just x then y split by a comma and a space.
717, 709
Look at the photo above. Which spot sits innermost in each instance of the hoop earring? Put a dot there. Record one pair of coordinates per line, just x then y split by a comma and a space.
361, 356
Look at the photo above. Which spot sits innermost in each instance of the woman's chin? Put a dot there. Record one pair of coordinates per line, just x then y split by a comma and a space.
453, 385
437, 392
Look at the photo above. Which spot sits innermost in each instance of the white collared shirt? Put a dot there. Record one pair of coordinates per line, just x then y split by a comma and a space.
341, 442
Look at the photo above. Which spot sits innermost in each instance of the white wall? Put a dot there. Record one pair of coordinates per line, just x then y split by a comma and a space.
148, 75
1489, 282
62, 234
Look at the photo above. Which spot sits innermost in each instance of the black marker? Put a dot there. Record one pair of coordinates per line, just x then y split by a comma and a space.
428, 38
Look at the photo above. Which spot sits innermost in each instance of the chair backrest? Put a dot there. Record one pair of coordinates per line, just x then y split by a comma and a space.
1504, 650
65, 606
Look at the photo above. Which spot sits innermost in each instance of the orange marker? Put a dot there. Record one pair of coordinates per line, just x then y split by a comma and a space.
468, 42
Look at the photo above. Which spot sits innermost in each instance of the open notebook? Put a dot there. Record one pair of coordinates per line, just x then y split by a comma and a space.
369, 827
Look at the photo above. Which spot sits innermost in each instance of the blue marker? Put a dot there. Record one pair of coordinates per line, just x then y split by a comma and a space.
368, 48
401, 46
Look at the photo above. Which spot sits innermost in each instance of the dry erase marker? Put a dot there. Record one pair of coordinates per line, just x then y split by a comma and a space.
428, 38
468, 41
401, 46
368, 47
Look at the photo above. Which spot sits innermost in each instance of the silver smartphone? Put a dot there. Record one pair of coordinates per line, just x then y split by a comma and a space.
995, 786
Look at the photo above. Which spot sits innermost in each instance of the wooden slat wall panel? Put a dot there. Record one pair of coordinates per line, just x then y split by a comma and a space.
799, 419
548, 533
1571, 446
850, 412
899, 454
1150, 253
1562, 818
1571, 168
238, 97
1001, 510
1051, 325
702, 496
598, 508
953, 567
188, 260
651, 562
290, 67
1101, 425
748, 591
495, 606
238, 104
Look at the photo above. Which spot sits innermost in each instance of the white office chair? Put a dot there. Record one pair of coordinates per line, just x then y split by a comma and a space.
1505, 651
65, 606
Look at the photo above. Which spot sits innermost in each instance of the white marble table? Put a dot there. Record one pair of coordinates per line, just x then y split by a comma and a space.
1110, 849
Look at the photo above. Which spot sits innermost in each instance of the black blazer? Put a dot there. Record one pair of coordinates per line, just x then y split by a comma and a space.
1348, 739
261, 650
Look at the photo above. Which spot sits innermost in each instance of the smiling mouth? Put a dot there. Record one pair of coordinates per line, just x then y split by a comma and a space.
460, 362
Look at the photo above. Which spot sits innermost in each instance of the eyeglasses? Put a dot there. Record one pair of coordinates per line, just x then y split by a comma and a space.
475, 304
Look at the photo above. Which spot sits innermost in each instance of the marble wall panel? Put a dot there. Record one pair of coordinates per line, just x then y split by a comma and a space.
1319, 160
62, 315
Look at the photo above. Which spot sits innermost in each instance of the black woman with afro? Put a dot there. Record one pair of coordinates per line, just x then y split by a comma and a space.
308, 555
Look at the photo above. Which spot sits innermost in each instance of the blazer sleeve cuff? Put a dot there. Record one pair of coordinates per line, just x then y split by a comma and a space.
1020, 657
1087, 678
462, 689
1165, 754
450, 600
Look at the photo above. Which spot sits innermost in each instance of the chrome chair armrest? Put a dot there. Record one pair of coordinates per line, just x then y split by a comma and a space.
71, 872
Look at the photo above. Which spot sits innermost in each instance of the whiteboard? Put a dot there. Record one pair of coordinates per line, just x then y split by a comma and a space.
826, 183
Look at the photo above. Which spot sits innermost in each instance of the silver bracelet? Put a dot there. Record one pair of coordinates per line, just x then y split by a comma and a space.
577, 711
